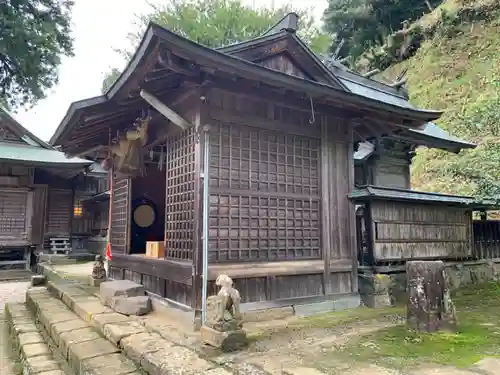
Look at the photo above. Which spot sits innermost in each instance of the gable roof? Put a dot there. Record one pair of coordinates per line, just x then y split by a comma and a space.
224, 62
33, 150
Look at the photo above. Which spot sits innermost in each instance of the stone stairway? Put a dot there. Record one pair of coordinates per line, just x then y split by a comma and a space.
62, 329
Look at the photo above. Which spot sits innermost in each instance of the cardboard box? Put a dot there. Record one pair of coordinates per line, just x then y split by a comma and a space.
155, 249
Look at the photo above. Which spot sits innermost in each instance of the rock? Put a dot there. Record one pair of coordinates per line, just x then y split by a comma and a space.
429, 306
226, 341
38, 280
139, 305
374, 290
117, 288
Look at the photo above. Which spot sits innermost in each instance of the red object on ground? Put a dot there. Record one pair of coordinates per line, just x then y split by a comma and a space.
108, 251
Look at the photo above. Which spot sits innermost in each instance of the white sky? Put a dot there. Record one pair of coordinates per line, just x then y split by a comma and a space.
98, 27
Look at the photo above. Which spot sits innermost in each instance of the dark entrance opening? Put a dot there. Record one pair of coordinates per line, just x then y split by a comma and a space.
147, 209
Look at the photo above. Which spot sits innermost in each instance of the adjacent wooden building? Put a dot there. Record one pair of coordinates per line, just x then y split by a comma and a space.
247, 156
396, 223
40, 194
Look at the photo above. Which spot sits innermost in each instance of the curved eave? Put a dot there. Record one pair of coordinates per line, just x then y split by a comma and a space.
222, 61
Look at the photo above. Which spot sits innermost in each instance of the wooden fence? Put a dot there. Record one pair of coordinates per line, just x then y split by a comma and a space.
486, 239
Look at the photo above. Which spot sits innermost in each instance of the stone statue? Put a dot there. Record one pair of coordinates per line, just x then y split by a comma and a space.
223, 328
98, 271
227, 315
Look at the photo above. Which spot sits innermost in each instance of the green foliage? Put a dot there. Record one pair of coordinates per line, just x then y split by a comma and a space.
459, 73
397, 347
365, 25
217, 23
109, 79
34, 35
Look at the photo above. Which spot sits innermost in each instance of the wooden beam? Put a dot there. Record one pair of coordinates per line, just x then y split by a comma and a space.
176, 64
165, 111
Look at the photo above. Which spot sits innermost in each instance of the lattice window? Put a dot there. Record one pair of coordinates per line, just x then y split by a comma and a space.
265, 200
179, 210
120, 215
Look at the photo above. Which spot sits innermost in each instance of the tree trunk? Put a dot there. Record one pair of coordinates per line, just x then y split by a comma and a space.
429, 308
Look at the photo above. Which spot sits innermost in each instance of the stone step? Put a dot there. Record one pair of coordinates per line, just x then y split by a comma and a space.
487, 366
82, 346
73, 315
34, 352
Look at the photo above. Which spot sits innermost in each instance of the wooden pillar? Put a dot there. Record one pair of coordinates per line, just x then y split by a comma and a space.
352, 212
326, 235
201, 119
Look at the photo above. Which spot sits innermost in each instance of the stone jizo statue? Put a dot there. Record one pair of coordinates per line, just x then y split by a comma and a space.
98, 271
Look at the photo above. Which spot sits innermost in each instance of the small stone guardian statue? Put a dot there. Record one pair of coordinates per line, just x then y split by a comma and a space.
98, 272
223, 328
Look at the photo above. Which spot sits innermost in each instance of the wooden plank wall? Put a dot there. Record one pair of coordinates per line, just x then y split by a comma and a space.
59, 212
403, 231
273, 183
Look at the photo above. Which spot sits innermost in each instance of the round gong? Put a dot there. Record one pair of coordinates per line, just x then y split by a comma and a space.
144, 216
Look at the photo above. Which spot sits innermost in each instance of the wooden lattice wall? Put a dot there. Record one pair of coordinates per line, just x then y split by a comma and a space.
120, 215
264, 195
180, 198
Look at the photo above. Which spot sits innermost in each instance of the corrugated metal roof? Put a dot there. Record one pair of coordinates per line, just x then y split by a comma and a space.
38, 155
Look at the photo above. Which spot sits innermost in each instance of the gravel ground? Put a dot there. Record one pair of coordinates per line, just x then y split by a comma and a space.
9, 292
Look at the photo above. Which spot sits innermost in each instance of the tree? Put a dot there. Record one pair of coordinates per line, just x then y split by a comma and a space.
34, 35
216, 23
366, 24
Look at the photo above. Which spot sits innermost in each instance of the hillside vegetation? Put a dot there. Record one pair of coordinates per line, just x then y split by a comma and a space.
458, 70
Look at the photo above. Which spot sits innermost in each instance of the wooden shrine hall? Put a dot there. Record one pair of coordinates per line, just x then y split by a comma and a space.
240, 160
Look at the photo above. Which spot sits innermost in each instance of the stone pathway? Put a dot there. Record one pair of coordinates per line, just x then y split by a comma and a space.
9, 292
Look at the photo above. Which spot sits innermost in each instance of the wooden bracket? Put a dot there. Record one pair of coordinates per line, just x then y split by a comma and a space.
165, 111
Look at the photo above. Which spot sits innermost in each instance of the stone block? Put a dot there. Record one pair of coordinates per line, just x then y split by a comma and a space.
301, 371
86, 310
21, 328
48, 318
71, 325
140, 305
376, 301
30, 338
115, 332
95, 282
79, 352
247, 369
74, 337
218, 371
100, 320
347, 302
34, 350
226, 341
488, 365
40, 365
38, 280
117, 288
175, 360
276, 313
115, 364
313, 308
137, 346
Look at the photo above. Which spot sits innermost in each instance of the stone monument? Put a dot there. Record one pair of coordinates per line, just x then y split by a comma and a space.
224, 326
430, 307
98, 272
